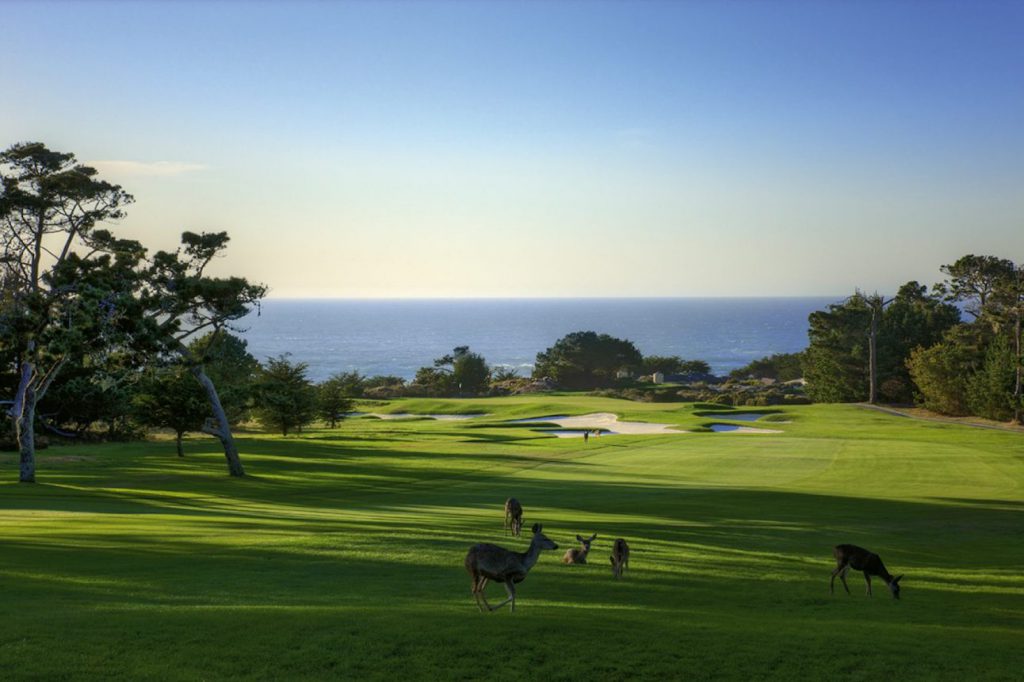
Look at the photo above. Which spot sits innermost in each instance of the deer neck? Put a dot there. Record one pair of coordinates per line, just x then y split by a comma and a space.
531, 555
884, 573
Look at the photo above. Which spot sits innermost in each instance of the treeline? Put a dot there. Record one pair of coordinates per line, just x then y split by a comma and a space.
915, 346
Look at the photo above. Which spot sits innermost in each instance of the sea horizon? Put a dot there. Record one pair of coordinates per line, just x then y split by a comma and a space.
396, 336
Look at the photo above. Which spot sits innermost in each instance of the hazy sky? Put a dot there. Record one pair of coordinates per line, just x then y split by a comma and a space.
542, 148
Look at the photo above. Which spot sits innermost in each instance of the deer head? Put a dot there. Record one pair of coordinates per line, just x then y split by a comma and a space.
894, 586
586, 543
539, 537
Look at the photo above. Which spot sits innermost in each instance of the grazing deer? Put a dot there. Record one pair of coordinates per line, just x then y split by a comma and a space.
619, 557
579, 556
513, 516
860, 559
490, 562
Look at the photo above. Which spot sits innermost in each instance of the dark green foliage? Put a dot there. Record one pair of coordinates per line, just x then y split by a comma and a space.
352, 384
974, 280
990, 389
461, 372
942, 372
673, 364
332, 398
779, 366
170, 398
88, 392
232, 368
914, 319
285, 399
586, 360
382, 380
504, 374
836, 361
67, 287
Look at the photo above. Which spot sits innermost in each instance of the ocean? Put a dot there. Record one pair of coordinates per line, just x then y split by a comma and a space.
387, 336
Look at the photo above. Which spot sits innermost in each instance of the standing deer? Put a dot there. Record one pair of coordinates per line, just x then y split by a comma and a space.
860, 559
490, 562
513, 516
579, 556
619, 557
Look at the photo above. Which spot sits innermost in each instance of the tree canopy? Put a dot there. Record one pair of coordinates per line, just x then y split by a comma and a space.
586, 359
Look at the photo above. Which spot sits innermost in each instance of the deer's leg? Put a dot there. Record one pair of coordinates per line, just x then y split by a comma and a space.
475, 589
842, 577
480, 591
832, 584
868, 579
510, 588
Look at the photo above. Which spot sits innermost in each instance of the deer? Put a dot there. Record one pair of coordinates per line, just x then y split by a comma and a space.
513, 516
619, 557
490, 562
860, 559
579, 556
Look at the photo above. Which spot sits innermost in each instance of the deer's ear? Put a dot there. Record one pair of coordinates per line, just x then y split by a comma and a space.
897, 579
579, 538
593, 537
537, 528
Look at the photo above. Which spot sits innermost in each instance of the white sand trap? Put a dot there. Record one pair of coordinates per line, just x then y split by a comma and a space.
608, 423
732, 428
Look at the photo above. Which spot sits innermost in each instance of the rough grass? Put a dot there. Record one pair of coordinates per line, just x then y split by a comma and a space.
340, 555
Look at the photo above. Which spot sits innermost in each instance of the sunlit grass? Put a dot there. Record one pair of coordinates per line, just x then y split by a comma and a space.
340, 555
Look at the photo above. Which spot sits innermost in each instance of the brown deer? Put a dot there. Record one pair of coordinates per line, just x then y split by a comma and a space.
619, 557
513, 516
860, 559
579, 556
490, 562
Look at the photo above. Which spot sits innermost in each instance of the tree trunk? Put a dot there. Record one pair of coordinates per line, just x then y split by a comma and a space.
23, 412
177, 440
1017, 370
26, 433
873, 357
223, 428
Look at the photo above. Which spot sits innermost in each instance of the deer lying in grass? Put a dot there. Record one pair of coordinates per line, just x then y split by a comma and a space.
513, 516
579, 556
860, 559
490, 562
619, 557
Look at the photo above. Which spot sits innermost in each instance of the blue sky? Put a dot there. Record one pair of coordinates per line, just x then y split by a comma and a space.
543, 149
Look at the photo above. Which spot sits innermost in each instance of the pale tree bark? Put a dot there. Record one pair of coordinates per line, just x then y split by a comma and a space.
222, 429
877, 304
31, 389
873, 359
1017, 369
23, 412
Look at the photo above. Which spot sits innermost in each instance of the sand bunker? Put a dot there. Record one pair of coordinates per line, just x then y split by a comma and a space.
733, 428
606, 422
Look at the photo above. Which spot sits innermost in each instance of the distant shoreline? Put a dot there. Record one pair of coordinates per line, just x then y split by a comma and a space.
398, 336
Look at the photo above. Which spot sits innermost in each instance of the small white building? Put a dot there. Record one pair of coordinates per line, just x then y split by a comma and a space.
657, 378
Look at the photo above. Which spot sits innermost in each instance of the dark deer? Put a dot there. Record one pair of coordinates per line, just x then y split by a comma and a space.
860, 559
513, 516
620, 557
490, 562
579, 556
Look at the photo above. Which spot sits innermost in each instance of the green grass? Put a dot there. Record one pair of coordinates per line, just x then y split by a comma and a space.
340, 555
